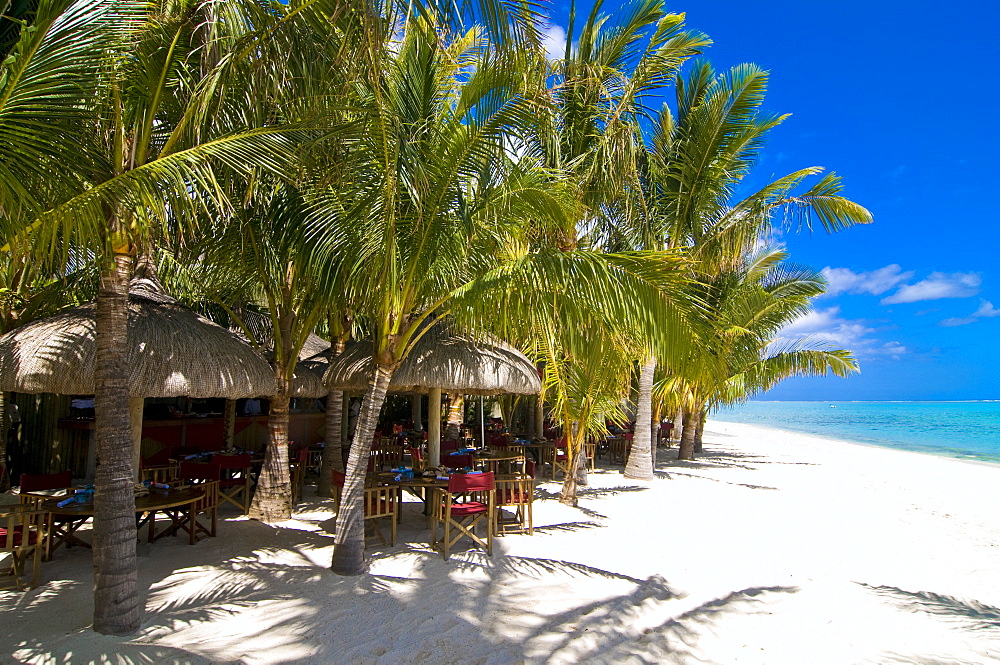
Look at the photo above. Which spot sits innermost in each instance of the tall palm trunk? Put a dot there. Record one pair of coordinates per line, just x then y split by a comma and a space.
456, 416
640, 460
117, 610
349, 551
699, 431
4, 429
685, 451
333, 458
272, 500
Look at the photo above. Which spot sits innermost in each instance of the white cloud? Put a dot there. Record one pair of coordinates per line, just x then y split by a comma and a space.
826, 325
554, 41
986, 310
937, 285
874, 282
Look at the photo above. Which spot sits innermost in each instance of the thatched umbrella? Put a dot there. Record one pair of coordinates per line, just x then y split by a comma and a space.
173, 352
442, 361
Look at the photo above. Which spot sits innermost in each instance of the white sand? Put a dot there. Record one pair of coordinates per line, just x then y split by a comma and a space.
771, 548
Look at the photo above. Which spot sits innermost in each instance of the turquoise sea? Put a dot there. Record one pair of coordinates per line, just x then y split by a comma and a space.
967, 430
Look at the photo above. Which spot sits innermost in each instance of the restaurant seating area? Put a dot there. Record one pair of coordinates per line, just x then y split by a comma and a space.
478, 493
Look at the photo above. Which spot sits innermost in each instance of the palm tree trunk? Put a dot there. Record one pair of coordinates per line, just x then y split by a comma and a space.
117, 610
578, 464
699, 431
333, 459
417, 412
229, 423
4, 430
349, 551
272, 499
640, 461
685, 451
456, 416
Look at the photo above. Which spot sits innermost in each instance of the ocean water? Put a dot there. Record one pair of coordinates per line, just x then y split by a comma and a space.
966, 430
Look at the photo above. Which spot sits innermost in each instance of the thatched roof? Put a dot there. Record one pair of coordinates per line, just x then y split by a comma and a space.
455, 363
315, 347
172, 352
308, 380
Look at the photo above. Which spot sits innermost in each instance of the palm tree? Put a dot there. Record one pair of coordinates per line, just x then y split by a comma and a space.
598, 103
750, 305
133, 146
698, 155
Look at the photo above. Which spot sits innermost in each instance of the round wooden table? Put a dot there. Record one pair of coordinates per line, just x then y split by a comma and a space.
177, 504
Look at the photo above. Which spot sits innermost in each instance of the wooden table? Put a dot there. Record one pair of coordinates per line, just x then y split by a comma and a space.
177, 504
418, 486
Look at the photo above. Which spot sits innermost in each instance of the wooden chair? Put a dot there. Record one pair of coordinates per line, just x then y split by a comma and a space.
61, 528
617, 450
590, 450
297, 476
469, 500
417, 461
558, 458
516, 493
186, 518
235, 481
387, 456
166, 473
207, 506
24, 534
380, 501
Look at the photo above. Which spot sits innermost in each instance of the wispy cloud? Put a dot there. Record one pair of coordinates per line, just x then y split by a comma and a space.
827, 325
986, 310
937, 285
874, 282
554, 41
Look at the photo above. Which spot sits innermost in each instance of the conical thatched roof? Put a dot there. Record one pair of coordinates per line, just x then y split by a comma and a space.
172, 352
455, 363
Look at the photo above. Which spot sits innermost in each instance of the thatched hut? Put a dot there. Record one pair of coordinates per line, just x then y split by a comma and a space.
173, 352
442, 361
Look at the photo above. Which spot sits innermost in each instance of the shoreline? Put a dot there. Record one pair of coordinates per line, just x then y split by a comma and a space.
864, 444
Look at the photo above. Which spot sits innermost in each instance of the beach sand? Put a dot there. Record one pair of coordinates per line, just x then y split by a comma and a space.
771, 547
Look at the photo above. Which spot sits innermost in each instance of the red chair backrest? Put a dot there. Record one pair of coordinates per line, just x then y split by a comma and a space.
449, 444
456, 461
499, 441
470, 482
303, 456
200, 471
629, 436
232, 461
529, 468
46, 481
338, 478
416, 455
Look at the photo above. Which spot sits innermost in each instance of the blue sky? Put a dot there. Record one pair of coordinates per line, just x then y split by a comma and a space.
901, 99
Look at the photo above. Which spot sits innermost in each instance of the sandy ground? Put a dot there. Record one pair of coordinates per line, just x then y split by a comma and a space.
770, 548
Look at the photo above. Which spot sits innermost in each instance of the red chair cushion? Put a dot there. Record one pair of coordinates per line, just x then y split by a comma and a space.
18, 536
511, 496
471, 508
